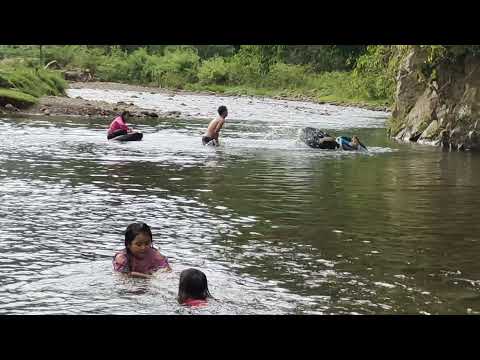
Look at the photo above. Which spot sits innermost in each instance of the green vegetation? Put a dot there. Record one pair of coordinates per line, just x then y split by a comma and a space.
16, 98
332, 73
21, 84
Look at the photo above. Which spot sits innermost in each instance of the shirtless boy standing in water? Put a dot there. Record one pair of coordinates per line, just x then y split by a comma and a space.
214, 127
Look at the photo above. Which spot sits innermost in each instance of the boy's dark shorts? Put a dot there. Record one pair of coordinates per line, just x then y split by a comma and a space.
206, 140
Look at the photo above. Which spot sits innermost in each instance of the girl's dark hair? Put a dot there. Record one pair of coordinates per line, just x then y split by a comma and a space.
193, 285
124, 113
131, 233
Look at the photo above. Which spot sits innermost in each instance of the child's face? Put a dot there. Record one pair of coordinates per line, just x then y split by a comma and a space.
140, 245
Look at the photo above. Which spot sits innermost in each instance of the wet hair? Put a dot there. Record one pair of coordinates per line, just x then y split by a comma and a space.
124, 113
222, 110
193, 285
131, 233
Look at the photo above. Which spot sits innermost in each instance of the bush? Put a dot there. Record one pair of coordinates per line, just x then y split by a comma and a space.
213, 71
177, 67
113, 67
375, 71
336, 84
244, 70
35, 82
286, 75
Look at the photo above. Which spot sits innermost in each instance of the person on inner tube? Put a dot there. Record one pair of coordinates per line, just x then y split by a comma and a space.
214, 127
119, 126
355, 143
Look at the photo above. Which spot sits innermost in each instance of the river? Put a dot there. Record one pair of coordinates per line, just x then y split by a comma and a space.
277, 227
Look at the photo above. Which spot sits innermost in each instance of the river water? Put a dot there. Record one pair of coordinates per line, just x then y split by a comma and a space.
277, 227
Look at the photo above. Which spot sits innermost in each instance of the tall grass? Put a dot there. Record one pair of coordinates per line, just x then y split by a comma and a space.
23, 84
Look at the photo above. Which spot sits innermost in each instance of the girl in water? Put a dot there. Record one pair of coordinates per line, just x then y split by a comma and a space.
139, 258
119, 126
193, 288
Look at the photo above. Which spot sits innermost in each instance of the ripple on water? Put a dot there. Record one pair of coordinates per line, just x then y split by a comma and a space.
276, 226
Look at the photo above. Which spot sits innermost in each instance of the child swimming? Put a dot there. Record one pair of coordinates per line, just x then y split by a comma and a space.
139, 258
193, 288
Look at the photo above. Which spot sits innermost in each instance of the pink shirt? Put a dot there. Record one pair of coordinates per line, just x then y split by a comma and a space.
195, 302
117, 124
150, 262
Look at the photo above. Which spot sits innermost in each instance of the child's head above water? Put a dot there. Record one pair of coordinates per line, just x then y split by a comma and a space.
222, 111
193, 286
138, 238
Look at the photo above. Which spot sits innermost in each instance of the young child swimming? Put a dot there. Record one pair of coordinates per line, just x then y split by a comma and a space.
193, 288
139, 258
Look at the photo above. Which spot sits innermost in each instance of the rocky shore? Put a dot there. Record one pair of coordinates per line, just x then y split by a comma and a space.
66, 106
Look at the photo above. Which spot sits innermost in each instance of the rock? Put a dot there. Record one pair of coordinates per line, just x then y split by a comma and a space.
424, 106
134, 96
115, 109
78, 97
151, 92
183, 104
72, 75
10, 107
472, 136
46, 112
170, 98
121, 103
131, 104
149, 113
431, 131
173, 113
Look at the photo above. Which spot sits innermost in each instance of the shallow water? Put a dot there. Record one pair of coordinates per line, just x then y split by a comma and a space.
277, 227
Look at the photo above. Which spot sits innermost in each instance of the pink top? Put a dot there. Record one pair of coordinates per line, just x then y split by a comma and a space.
151, 261
195, 302
117, 124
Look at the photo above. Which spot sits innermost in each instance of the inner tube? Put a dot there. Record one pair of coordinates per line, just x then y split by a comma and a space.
317, 139
133, 136
344, 143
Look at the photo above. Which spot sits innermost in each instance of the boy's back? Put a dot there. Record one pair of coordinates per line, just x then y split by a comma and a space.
214, 127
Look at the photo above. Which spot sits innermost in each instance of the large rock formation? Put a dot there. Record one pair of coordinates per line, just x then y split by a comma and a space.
443, 111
